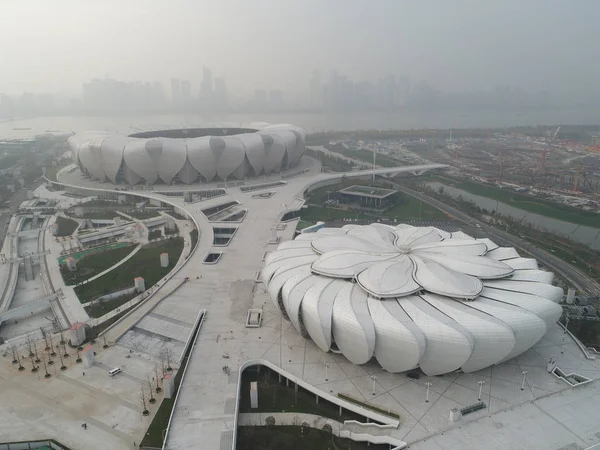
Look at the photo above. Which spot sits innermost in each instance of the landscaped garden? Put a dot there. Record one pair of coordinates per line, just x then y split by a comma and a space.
94, 264
145, 263
65, 227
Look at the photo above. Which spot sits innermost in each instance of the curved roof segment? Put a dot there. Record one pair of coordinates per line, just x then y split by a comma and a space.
220, 151
412, 297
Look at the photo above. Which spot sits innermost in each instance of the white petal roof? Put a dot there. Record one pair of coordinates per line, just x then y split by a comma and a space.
412, 297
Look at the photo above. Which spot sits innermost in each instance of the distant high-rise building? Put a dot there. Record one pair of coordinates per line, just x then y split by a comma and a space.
275, 97
260, 95
316, 90
206, 87
186, 92
221, 96
176, 92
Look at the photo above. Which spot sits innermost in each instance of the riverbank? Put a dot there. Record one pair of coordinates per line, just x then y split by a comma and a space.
528, 203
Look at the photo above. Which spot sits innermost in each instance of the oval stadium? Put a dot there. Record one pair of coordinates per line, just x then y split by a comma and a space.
214, 152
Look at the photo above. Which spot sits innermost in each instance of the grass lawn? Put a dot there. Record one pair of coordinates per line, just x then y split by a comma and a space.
277, 397
528, 203
141, 215
66, 227
296, 438
98, 215
412, 209
94, 264
145, 263
99, 309
194, 237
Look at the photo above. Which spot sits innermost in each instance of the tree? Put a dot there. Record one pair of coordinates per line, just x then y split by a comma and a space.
145, 411
151, 399
270, 421
158, 377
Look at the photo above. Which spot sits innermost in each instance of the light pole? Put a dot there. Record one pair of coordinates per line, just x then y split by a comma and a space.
524, 373
374, 378
326, 368
481, 383
427, 385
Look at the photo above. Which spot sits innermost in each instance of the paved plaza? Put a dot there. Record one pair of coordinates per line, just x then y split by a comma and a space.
546, 414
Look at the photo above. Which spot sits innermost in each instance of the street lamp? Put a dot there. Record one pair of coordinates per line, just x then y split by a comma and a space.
427, 385
326, 368
524, 373
374, 378
481, 383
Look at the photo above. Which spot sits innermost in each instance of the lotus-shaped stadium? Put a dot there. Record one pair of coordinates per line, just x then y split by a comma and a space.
412, 297
220, 151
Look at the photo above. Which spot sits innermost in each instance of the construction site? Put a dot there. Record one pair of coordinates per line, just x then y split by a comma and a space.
567, 170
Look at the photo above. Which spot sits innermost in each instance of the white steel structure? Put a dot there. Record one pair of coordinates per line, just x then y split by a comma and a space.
412, 297
220, 151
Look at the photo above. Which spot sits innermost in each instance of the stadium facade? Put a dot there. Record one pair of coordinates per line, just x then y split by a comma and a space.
412, 297
213, 152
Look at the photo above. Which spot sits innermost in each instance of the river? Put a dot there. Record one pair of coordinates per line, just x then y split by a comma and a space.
579, 233
312, 121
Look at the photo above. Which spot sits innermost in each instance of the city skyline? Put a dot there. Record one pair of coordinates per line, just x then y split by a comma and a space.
456, 46
324, 91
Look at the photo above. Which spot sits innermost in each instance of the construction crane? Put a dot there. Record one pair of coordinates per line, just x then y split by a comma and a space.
555, 133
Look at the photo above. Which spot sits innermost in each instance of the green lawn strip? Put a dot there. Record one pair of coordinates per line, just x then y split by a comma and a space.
91, 265
145, 263
296, 437
543, 207
141, 215
99, 309
97, 329
383, 412
194, 237
154, 435
66, 227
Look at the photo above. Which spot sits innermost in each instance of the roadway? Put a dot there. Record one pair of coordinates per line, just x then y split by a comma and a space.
573, 275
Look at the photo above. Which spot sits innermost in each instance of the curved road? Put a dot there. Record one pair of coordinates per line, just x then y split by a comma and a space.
575, 276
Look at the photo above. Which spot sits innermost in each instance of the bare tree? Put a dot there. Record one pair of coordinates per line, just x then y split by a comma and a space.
15, 354
158, 376
62, 363
149, 383
47, 375
105, 344
168, 356
145, 411
52, 352
62, 338
37, 359
45, 336
29, 345
33, 367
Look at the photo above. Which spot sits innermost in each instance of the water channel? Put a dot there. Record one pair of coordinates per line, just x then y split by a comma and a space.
579, 233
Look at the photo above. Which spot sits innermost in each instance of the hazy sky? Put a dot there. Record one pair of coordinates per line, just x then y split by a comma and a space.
55, 45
